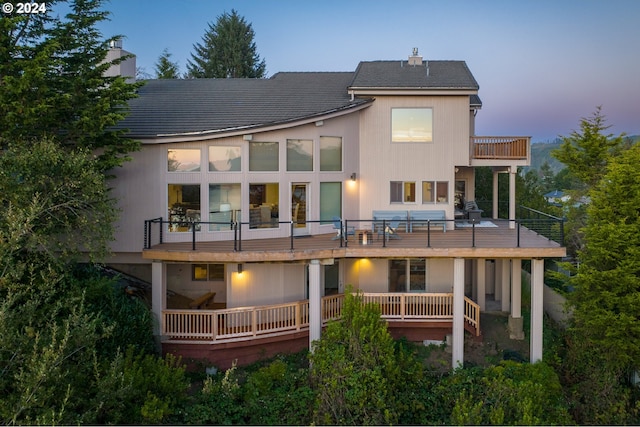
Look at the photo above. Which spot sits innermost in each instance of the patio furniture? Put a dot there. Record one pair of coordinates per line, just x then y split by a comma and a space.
390, 230
436, 217
337, 225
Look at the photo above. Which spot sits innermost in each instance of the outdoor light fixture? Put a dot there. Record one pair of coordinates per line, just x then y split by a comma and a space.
353, 177
239, 268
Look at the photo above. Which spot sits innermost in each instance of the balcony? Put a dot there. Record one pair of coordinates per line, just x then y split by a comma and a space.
486, 150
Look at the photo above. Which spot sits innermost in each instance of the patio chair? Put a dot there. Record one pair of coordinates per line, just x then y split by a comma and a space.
337, 225
390, 230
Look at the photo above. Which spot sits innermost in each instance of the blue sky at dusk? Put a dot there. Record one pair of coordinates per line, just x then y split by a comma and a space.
541, 64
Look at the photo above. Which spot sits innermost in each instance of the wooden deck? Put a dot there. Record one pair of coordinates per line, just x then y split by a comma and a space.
479, 242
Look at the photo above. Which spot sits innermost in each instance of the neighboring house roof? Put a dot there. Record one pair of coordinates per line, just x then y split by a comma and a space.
176, 106
554, 194
399, 74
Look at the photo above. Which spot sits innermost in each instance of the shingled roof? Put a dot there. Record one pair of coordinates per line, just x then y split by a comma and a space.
175, 106
399, 74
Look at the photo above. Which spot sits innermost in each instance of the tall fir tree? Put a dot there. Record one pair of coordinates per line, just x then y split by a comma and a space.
53, 84
227, 50
165, 67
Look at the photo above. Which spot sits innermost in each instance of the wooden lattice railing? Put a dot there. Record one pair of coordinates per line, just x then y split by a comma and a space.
249, 322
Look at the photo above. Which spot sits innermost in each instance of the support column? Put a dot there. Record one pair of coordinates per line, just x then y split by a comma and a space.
537, 308
495, 194
481, 280
512, 196
158, 296
315, 303
505, 282
516, 326
497, 279
457, 351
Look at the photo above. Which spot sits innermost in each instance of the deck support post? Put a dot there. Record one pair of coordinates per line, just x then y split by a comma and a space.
315, 303
537, 308
512, 197
158, 296
457, 351
505, 282
495, 195
481, 282
516, 325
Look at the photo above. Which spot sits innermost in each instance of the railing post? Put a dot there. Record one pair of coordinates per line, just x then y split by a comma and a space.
298, 315
234, 227
161, 228
193, 236
214, 326
518, 234
254, 322
240, 237
146, 233
291, 235
343, 230
428, 233
384, 233
473, 233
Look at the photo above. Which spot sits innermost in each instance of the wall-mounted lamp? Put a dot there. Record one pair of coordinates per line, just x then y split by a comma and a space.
239, 268
353, 177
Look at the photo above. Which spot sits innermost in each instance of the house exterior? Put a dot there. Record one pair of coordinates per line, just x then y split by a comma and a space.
253, 203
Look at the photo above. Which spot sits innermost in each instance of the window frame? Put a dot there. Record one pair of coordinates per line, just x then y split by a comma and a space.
237, 149
435, 192
401, 124
403, 192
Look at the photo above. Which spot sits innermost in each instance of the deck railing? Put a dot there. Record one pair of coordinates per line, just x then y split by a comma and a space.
244, 323
154, 230
500, 147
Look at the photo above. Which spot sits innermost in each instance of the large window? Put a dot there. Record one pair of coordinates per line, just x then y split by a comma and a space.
264, 211
435, 192
402, 192
183, 160
224, 205
330, 153
299, 155
412, 125
330, 201
407, 275
224, 158
263, 156
183, 203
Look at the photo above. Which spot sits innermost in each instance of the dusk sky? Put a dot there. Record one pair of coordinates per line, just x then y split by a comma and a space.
542, 65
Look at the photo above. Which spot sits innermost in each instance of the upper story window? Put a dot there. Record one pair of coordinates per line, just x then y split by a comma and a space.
299, 155
263, 156
411, 125
183, 160
224, 158
330, 153
402, 192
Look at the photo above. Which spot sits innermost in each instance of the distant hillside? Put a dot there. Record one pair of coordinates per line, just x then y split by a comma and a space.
541, 152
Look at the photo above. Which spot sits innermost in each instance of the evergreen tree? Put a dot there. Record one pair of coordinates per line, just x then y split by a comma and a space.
606, 300
165, 68
586, 155
227, 50
53, 84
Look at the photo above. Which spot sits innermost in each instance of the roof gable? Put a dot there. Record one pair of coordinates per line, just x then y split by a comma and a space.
401, 75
